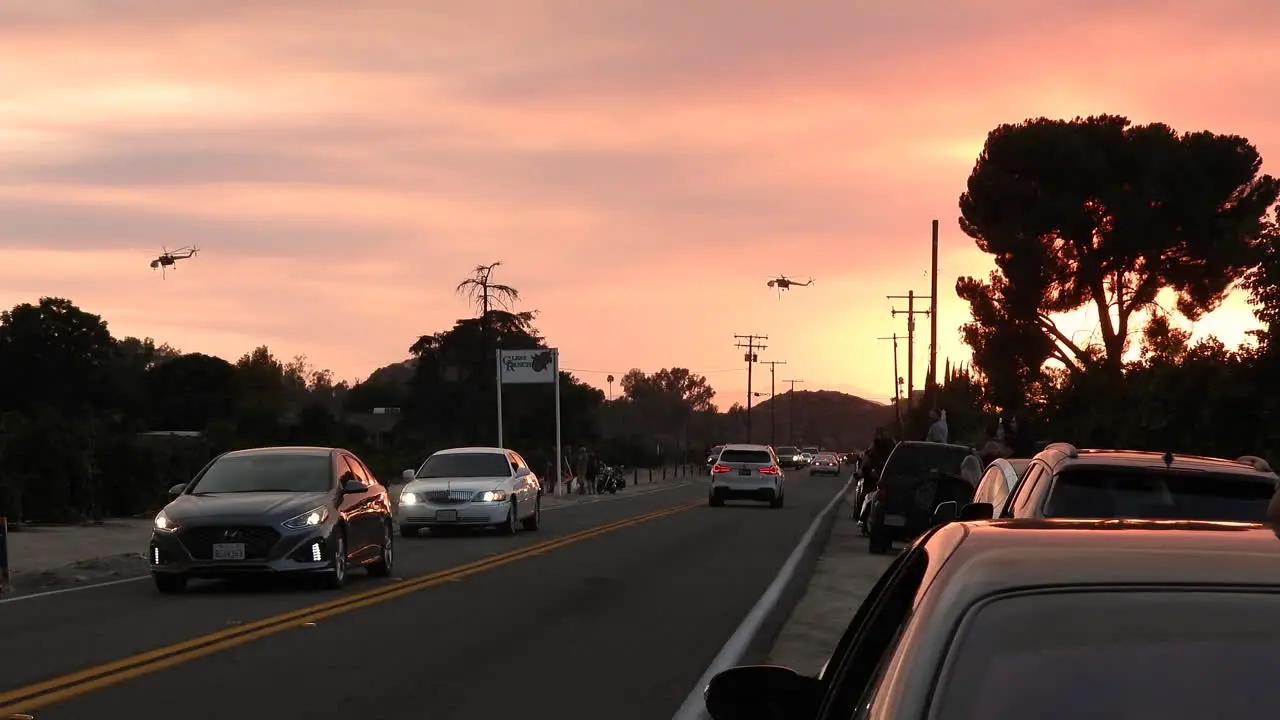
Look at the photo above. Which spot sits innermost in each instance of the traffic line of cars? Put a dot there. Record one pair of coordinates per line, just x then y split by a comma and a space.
1077, 583
758, 473
318, 512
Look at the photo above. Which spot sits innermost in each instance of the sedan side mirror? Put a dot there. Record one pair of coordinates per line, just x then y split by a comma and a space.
408, 475
762, 692
353, 487
177, 490
523, 472
945, 512
978, 511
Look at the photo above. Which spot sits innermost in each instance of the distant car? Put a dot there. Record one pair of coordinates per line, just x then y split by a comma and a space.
806, 459
1046, 619
825, 464
471, 487
747, 472
789, 457
273, 511
999, 479
916, 478
1063, 482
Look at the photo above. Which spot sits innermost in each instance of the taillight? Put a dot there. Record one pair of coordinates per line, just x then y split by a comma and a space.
771, 470
718, 468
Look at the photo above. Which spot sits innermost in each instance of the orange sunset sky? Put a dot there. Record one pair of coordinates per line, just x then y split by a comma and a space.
641, 167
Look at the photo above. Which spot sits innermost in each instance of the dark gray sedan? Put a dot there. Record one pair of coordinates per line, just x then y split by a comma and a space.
267, 511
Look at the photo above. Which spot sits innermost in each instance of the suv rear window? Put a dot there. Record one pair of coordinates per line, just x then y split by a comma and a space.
924, 459
752, 457
1158, 494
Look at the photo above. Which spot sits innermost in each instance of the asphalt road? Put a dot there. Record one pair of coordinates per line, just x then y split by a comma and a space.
621, 622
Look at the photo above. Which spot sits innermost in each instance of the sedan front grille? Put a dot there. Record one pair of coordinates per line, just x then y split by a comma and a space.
258, 541
449, 497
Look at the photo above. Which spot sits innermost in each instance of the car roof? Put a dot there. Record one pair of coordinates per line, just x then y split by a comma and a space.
1005, 554
284, 450
920, 443
471, 451
1062, 455
746, 446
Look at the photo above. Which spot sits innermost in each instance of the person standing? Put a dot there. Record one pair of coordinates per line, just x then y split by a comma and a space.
580, 463
938, 431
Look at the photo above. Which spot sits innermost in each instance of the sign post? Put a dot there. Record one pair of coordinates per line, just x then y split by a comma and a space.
532, 367
497, 358
4, 554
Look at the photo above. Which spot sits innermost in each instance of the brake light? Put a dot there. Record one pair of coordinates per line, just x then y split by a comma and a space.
718, 468
771, 470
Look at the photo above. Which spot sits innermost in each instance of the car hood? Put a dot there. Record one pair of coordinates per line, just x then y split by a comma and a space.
230, 507
473, 484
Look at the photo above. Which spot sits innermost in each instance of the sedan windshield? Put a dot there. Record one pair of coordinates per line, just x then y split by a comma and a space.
274, 472
1115, 655
465, 465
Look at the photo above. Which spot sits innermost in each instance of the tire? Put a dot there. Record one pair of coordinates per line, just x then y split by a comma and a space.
170, 584
336, 578
509, 527
386, 560
714, 501
408, 531
534, 521
776, 502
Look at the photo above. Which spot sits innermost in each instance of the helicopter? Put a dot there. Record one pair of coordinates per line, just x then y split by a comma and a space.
782, 282
169, 259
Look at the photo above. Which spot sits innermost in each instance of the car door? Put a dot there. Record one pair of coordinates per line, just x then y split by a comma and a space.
379, 498
534, 482
355, 507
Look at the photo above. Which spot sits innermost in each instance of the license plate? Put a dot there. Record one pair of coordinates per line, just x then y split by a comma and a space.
228, 551
895, 520
447, 515
744, 471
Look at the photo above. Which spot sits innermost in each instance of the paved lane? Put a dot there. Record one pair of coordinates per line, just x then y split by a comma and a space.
636, 613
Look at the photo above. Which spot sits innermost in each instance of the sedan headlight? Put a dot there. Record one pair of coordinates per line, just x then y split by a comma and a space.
408, 499
164, 524
491, 496
310, 518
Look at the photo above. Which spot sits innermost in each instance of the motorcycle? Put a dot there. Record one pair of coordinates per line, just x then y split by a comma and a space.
609, 480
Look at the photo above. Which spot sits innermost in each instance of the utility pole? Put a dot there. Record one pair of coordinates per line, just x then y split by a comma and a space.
750, 343
791, 410
911, 312
773, 403
932, 381
897, 399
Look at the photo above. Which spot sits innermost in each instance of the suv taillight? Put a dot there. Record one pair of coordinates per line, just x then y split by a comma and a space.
718, 468
770, 470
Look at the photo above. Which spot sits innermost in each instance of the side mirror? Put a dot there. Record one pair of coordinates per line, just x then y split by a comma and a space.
408, 475
945, 512
523, 472
353, 487
978, 511
176, 490
762, 692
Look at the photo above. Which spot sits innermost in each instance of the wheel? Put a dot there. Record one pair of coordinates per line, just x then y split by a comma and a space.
714, 501
408, 531
776, 502
509, 527
534, 521
170, 584
337, 575
386, 560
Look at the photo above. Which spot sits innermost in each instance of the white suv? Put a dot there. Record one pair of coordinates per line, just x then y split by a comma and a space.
746, 472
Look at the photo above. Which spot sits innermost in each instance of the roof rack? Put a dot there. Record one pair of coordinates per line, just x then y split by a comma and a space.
1255, 462
1065, 448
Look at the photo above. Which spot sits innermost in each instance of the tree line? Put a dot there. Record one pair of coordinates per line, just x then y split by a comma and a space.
1148, 229
92, 425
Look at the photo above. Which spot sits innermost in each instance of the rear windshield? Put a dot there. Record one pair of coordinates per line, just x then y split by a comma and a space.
267, 472
826, 457
925, 459
751, 457
1115, 655
465, 465
1158, 494
788, 450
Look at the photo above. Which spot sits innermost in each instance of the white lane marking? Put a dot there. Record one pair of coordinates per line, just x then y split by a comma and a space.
111, 583
694, 708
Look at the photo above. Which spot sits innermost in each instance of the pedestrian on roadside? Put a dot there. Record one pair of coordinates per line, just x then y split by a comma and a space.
580, 469
938, 431
593, 471
1018, 438
996, 446
549, 475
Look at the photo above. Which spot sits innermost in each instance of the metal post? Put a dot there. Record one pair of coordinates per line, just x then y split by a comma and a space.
933, 319
497, 366
555, 361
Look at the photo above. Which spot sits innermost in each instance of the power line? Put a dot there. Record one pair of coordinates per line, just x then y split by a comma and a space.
911, 312
773, 392
750, 343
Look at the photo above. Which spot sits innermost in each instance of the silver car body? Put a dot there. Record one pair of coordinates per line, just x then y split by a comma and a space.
427, 502
825, 464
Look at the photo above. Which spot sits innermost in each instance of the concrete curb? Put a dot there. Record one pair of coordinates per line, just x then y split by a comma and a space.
753, 639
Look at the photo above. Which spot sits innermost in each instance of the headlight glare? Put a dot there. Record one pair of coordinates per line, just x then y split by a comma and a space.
164, 523
310, 518
491, 496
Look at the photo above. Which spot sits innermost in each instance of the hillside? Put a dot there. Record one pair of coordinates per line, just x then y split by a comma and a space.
828, 418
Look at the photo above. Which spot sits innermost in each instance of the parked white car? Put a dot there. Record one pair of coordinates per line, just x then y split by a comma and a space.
471, 487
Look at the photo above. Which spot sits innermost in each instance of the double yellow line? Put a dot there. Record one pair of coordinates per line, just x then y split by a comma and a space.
50, 692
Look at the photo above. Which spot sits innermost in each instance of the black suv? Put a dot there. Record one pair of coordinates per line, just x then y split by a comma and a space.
1063, 482
917, 477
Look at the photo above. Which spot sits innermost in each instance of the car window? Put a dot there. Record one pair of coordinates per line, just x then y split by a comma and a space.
826, 457
1025, 490
520, 462
368, 474
465, 465
923, 459
1158, 494
266, 472
1060, 656
357, 467
749, 457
